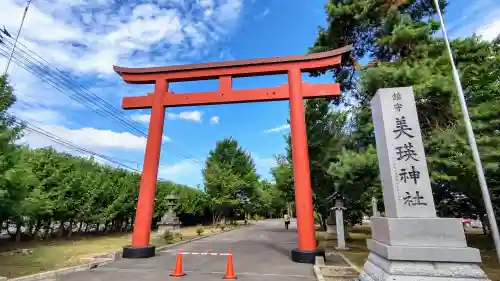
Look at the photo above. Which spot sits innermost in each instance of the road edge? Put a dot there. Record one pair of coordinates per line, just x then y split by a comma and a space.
103, 259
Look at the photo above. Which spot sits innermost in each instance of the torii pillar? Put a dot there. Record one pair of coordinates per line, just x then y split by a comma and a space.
294, 91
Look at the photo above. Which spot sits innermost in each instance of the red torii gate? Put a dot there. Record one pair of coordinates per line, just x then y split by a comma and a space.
295, 91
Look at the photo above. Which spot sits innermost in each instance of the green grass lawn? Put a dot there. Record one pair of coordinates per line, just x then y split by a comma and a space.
358, 252
50, 255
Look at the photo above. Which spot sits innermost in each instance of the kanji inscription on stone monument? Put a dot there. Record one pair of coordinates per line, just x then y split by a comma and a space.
401, 155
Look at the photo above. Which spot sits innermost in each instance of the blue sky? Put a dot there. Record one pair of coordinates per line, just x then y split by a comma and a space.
85, 38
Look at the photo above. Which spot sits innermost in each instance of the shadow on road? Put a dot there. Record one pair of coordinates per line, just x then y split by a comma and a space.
281, 250
279, 230
285, 251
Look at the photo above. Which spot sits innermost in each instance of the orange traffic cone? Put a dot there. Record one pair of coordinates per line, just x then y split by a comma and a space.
229, 267
178, 266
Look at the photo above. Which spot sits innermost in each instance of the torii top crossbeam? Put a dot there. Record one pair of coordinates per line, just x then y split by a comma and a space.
235, 68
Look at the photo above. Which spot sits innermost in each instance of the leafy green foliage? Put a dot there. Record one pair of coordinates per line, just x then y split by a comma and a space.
402, 42
357, 179
233, 186
42, 190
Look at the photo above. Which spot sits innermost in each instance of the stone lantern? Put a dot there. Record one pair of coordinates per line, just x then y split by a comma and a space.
336, 220
169, 221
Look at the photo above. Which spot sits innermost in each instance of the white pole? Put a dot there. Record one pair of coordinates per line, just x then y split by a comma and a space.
472, 141
17, 37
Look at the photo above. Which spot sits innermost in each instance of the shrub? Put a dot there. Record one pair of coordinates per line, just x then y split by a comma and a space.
200, 230
179, 235
168, 236
222, 227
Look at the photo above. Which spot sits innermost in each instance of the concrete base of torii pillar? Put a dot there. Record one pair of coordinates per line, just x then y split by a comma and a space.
424, 249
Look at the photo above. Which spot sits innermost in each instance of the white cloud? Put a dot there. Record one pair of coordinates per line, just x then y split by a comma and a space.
90, 36
267, 162
34, 113
263, 164
214, 120
277, 129
186, 171
490, 31
479, 17
89, 138
194, 115
87, 37
228, 11
182, 167
263, 14
143, 118
190, 171
208, 6
206, 3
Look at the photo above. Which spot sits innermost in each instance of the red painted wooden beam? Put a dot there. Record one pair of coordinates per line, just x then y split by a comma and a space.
232, 96
238, 68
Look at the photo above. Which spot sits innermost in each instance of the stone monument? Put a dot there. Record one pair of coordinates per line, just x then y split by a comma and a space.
169, 221
411, 243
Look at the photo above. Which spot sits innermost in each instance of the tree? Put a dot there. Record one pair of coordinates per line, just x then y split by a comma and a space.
45, 192
283, 178
13, 190
402, 42
357, 180
230, 178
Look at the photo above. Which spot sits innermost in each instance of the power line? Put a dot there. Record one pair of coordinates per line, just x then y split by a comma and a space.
48, 135
43, 72
58, 79
58, 83
17, 36
54, 128
61, 141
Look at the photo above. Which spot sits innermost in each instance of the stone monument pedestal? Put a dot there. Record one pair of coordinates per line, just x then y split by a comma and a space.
173, 225
420, 249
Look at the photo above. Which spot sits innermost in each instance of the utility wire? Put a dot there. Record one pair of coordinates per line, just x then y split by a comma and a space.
58, 83
57, 79
55, 128
46, 134
56, 139
61, 141
43, 72
17, 36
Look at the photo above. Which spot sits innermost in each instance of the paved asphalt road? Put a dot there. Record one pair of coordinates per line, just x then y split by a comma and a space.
260, 252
